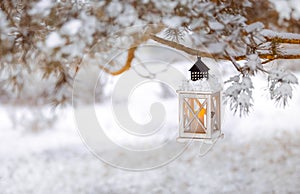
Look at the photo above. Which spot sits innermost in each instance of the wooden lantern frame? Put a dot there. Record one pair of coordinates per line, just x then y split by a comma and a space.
199, 115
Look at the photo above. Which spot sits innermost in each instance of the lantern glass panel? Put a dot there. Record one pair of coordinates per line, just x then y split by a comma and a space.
194, 115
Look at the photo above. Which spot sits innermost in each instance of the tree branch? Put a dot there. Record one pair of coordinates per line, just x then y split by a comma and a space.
281, 37
183, 48
195, 52
127, 65
267, 61
269, 35
233, 61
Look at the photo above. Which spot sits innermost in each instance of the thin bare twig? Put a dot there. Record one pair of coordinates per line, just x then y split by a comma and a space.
262, 69
233, 61
267, 61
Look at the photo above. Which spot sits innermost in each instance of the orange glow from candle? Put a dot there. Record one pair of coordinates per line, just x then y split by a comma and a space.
201, 114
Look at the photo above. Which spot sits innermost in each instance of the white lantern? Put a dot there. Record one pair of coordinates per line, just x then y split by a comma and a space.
200, 106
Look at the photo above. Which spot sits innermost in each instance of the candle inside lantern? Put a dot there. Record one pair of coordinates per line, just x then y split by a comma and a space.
201, 115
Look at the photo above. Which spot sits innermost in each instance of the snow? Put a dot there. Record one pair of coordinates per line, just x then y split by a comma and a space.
244, 100
231, 19
214, 25
283, 35
253, 61
284, 75
128, 16
42, 7
247, 3
284, 8
3, 22
283, 90
71, 27
54, 40
246, 83
212, 84
239, 94
290, 78
280, 88
167, 6
217, 47
259, 154
290, 51
114, 8
174, 21
89, 27
254, 27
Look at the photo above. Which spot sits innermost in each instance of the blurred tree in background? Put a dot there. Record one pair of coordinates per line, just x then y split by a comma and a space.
42, 43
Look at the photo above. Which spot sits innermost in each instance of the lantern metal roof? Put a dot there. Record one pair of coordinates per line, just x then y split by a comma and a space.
199, 66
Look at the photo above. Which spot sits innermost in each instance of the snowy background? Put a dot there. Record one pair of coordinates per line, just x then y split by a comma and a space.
259, 154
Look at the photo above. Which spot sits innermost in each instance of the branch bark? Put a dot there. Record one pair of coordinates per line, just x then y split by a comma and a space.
127, 65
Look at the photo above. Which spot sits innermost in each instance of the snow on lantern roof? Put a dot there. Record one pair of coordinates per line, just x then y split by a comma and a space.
210, 85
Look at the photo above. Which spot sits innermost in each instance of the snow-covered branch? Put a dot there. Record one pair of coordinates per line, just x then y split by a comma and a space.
281, 37
275, 53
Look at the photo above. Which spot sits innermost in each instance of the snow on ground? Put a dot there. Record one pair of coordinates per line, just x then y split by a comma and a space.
259, 154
